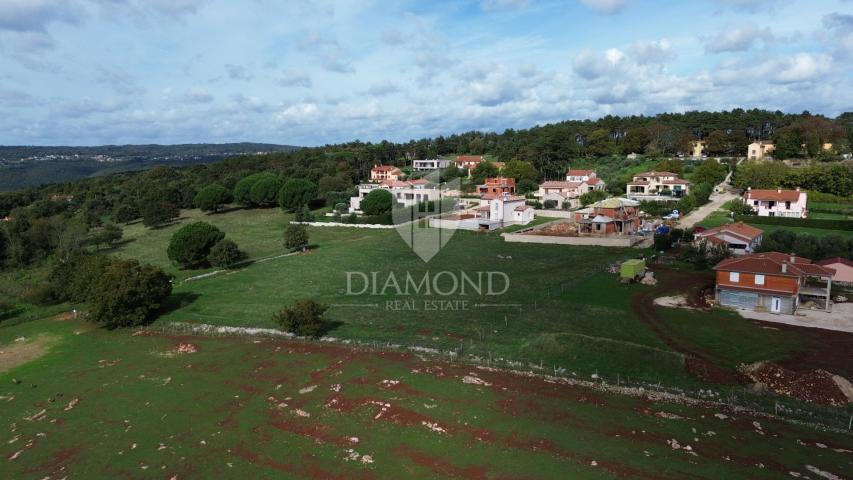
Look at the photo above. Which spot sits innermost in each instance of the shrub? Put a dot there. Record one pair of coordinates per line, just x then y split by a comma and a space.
155, 214
377, 202
128, 294
296, 193
125, 213
549, 204
295, 236
108, 235
225, 254
212, 197
190, 246
592, 197
304, 318
304, 215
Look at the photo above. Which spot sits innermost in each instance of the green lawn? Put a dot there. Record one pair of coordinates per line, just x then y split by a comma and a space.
720, 217
109, 404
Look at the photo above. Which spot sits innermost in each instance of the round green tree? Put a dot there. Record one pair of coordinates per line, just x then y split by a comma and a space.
295, 236
128, 294
225, 254
264, 192
212, 197
191, 245
296, 193
377, 202
243, 189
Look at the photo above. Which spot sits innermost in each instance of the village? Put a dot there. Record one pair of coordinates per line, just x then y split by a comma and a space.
764, 285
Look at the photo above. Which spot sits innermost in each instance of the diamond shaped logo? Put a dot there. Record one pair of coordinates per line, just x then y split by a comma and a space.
421, 202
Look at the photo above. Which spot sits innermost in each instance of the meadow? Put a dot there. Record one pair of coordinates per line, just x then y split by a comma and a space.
108, 404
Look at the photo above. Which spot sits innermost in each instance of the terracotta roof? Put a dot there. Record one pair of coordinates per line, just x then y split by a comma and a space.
830, 261
771, 263
593, 181
500, 181
384, 168
677, 181
469, 158
638, 182
579, 172
738, 229
773, 195
559, 184
522, 208
656, 174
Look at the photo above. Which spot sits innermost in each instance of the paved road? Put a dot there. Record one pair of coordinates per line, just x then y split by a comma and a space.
717, 201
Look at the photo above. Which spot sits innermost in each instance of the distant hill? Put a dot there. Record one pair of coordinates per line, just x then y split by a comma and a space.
28, 166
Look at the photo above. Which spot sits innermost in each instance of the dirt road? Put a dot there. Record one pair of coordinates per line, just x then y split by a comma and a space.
716, 202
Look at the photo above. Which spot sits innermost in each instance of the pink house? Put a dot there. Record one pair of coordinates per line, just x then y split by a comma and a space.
843, 269
777, 203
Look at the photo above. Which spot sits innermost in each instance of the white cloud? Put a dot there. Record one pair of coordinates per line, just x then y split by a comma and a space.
737, 38
608, 7
653, 52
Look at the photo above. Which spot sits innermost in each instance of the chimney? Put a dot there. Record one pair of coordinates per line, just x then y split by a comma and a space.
793, 258
784, 267
778, 190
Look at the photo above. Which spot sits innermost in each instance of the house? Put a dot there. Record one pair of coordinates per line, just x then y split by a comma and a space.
380, 173
657, 186
405, 193
632, 156
739, 237
611, 216
697, 148
559, 191
61, 198
843, 269
772, 281
469, 162
496, 211
777, 203
587, 179
760, 149
497, 186
430, 164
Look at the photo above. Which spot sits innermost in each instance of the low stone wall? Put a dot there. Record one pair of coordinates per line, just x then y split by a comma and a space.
626, 241
340, 224
556, 213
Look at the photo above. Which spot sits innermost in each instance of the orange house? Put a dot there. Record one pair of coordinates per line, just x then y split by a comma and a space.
497, 186
771, 281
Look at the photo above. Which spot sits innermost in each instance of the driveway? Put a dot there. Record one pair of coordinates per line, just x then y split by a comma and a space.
716, 202
840, 319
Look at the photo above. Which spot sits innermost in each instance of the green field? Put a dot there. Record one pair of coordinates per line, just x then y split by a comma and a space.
107, 404
720, 217
234, 408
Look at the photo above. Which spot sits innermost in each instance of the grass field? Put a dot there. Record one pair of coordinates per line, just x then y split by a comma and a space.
561, 311
720, 217
110, 404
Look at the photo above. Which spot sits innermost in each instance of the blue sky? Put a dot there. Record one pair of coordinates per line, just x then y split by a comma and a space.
311, 72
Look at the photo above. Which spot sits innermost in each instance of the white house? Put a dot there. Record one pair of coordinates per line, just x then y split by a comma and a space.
777, 203
405, 193
431, 164
657, 186
739, 238
493, 212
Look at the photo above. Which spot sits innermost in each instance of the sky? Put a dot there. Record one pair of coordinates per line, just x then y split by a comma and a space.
314, 72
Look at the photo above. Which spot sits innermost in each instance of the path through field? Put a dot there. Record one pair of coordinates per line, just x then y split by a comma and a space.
716, 202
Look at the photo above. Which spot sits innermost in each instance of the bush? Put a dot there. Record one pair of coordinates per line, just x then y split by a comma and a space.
304, 318
108, 235
155, 214
295, 236
128, 294
592, 197
125, 213
225, 254
549, 204
212, 197
296, 193
377, 202
304, 215
190, 246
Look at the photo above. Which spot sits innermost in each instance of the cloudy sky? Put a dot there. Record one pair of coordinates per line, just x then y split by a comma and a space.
309, 72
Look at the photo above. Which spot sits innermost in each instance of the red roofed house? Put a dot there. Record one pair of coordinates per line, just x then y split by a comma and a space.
381, 173
657, 186
469, 162
843, 269
578, 182
497, 186
739, 237
777, 203
772, 281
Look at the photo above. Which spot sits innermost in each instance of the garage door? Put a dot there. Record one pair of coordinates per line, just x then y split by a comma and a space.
738, 299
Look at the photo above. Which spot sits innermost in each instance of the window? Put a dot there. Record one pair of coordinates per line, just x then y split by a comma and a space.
734, 277
755, 202
787, 205
759, 279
